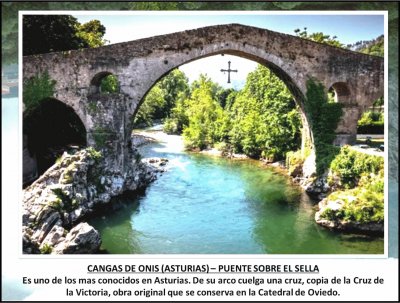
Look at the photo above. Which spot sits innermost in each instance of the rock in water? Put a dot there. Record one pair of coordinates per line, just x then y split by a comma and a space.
82, 239
69, 191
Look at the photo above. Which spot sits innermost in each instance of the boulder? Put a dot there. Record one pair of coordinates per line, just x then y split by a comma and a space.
82, 239
69, 191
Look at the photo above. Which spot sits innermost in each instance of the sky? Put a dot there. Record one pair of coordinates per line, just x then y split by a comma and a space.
120, 28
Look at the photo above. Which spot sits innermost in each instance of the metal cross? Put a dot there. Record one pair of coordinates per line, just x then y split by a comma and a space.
229, 70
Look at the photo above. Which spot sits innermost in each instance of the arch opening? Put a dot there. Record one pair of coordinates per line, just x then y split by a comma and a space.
104, 83
371, 125
339, 92
275, 71
49, 130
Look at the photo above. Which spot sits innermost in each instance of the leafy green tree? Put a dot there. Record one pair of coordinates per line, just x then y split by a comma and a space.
161, 101
373, 47
207, 121
175, 83
179, 118
52, 33
265, 119
152, 103
318, 37
92, 33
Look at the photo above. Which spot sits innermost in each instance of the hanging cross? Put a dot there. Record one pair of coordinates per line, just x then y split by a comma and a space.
229, 70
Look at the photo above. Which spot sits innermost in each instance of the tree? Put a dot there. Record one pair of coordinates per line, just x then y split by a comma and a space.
152, 103
52, 33
265, 119
318, 37
373, 47
92, 33
162, 98
207, 121
173, 84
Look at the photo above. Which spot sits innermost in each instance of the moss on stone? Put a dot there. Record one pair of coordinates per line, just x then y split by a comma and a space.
46, 249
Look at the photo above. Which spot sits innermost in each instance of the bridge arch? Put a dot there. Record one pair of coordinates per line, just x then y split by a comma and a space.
342, 92
139, 64
49, 130
279, 71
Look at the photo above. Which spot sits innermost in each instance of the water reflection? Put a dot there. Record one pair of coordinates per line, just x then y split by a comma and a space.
210, 205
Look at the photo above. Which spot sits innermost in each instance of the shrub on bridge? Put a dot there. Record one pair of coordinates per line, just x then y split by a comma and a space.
37, 89
323, 117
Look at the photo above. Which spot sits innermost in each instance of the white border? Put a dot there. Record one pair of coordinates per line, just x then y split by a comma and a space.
211, 256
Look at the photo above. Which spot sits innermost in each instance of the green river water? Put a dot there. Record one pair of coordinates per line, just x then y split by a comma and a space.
211, 205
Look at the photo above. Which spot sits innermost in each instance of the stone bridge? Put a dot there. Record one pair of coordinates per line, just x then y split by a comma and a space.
357, 79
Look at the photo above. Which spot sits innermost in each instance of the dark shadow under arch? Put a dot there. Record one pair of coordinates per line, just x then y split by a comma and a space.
342, 92
49, 130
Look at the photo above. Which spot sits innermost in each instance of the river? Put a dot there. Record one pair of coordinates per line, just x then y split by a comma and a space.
211, 205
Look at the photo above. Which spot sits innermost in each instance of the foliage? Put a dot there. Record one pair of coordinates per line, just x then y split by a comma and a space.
378, 103
63, 201
92, 107
318, 37
46, 249
151, 107
162, 98
92, 33
323, 118
208, 123
265, 119
349, 166
59, 33
174, 86
262, 120
179, 118
363, 204
371, 123
109, 84
36, 90
371, 47
10, 11
93, 153
294, 159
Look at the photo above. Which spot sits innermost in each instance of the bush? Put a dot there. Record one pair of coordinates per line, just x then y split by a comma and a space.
371, 123
46, 249
36, 90
349, 165
93, 153
109, 85
293, 160
363, 204
171, 126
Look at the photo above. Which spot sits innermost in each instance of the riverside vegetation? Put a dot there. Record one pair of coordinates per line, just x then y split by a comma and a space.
263, 122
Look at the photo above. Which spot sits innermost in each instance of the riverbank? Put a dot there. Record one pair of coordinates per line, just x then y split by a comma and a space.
331, 207
56, 206
211, 204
